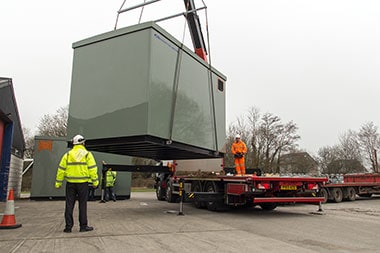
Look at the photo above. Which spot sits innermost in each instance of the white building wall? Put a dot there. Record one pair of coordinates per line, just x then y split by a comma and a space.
15, 175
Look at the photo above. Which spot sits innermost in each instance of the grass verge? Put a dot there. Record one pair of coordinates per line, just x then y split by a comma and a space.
142, 189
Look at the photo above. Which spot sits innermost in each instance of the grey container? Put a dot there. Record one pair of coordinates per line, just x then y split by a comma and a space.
48, 152
138, 91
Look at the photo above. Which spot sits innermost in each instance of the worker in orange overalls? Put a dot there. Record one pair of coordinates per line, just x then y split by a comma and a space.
239, 149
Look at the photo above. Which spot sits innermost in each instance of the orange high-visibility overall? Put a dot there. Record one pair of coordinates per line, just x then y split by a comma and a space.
239, 147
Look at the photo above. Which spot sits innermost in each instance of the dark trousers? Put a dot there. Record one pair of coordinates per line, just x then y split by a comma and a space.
110, 193
74, 191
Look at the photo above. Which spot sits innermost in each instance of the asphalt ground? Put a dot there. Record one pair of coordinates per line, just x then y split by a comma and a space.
143, 224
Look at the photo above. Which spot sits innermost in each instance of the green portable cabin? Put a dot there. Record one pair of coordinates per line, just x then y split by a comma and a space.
138, 91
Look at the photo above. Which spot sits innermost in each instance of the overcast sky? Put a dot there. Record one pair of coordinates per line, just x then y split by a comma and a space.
314, 62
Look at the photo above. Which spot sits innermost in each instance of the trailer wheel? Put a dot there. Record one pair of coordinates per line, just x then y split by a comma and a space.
268, 206
350, 193
337, 195
160, 194
170, 197
323, 193
213, 205
196, 186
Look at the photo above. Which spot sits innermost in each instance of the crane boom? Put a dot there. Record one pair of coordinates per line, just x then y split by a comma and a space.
195, 30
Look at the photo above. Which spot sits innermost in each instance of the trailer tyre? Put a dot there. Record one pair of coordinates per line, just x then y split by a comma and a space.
337, 195
323, 193
160, 194
268, 206
196, 186
170, 197
213, 205
350, 193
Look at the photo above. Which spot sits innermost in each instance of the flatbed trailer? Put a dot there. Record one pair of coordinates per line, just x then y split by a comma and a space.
352, 185
221, 191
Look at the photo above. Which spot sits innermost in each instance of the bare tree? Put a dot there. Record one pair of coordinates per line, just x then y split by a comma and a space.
29, 143
349, 146
228, 158
286, 140
54, 124
326, 155
49, 125
344, 157
266, 138
272, 139
268, 133
254, 121
369, 140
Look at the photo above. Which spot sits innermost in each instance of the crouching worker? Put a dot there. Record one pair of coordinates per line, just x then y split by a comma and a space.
77, 166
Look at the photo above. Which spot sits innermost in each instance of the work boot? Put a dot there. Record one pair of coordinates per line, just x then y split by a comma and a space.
86, 229
67, 230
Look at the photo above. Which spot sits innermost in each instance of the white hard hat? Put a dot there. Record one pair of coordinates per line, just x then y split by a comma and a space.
78, 139
237, 136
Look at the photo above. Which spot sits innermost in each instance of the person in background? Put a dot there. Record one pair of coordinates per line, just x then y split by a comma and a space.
110, 183
239, 149
77, 166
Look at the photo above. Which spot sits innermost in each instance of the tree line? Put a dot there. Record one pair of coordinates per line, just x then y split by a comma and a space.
266, 137
270, 143
355, 152
269, 139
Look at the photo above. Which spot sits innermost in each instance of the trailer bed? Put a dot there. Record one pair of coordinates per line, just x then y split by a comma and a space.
218, 191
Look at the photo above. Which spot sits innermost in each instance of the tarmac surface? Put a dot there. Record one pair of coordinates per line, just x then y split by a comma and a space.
143, 224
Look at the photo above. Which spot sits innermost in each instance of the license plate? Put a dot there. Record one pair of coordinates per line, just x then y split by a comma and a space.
288, 187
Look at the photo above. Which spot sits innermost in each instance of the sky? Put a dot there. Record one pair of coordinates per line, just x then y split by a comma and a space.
316, 63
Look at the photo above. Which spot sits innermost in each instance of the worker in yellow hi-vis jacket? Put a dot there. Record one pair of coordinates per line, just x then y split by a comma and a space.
77, 167
110, 183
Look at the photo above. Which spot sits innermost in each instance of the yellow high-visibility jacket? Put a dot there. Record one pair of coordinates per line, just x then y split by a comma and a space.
110, 178
77, 166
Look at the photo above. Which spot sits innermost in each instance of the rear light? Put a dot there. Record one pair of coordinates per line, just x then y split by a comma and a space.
163, 185
263, 186
312, 186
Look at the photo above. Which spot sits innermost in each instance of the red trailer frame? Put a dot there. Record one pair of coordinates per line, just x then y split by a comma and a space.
219, 191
